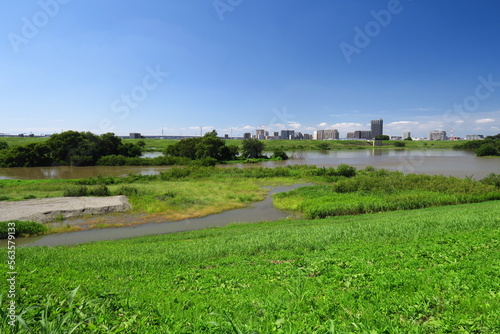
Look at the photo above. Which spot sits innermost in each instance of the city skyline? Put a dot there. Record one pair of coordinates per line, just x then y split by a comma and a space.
175, 66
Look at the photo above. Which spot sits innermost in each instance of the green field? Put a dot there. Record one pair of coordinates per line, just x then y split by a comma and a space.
432, 270
158, 145
292, 145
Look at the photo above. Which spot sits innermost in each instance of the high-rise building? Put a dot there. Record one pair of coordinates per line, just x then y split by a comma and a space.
287, 134
350, 135
327, 134
363, 135
474, 137
247, 135
406, 135
377, 127
437, 135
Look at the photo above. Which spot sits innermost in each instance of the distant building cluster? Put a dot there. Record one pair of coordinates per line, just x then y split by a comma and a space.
376, 130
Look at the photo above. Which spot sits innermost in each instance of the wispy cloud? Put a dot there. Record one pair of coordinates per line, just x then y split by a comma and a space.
421, 109
484, 120
403, 123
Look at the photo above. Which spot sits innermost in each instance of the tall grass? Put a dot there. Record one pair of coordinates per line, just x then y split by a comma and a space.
378, 191
432, 271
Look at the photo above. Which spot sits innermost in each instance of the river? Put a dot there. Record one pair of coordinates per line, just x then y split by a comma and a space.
259, 211
446, 162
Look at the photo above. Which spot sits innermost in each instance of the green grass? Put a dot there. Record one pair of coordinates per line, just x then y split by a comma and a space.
291, 145
158, 145
433, 270
379, 191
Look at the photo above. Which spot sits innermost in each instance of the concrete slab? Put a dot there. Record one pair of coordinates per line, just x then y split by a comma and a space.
47, 209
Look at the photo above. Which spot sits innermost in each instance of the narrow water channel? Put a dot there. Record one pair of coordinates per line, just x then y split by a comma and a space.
259, 211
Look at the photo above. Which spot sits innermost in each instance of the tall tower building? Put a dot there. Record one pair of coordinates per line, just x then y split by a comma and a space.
377, 127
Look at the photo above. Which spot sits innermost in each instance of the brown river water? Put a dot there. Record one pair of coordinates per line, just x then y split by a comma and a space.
446, 162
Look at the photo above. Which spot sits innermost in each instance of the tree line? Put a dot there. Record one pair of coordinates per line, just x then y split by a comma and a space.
69, 148
73, 148
489, 146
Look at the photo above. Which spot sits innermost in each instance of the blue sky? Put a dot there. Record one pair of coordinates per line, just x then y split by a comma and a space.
237, 65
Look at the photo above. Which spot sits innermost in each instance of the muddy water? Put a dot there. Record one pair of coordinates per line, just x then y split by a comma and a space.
446, 162
260, 211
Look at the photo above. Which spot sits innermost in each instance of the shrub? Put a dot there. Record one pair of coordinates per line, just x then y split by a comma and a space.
487, 150
101, 190
127, 191
399, 144
21, 228
346, 170
83, 191
76, 192
492, 179
279, 154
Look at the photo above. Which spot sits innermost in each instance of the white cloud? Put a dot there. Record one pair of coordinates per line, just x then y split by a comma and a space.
484, 120
421, 109
403, 123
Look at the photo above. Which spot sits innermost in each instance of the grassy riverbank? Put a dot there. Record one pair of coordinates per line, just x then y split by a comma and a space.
433, 270
159, 145
181, 193
314, 145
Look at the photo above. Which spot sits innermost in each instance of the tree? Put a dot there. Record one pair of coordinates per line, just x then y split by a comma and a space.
252, 148
409, 139
208, 146
382, 137
30, 155
279, 154
69, 148
487, 150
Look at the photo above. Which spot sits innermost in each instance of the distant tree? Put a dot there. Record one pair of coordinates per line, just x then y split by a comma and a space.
409, 139
208, 146
382, 137
323, 146
487, 150
69, 148
30, 155
278, 153
252, 148
399, 144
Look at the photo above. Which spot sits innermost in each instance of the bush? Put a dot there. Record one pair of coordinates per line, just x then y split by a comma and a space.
346, 170
76, 192
83, 191
399, 144
127, 191
492, 179
279, 154
21, 228
487, 150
